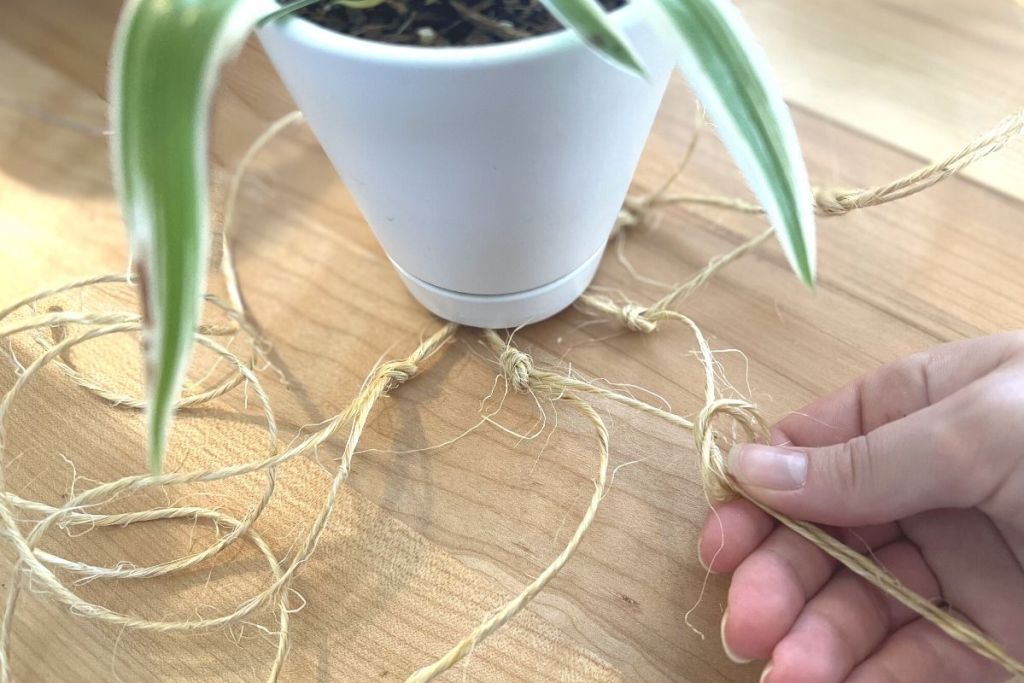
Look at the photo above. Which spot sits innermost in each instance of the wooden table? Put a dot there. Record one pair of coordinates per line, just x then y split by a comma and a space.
425, 544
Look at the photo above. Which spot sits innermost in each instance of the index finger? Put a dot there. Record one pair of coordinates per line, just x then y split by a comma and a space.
896, 390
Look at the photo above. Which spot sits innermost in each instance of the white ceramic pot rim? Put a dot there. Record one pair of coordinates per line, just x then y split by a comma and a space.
463, 57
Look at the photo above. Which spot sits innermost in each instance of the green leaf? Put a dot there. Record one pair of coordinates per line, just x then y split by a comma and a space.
590, 22
729, 73
359, 4
166, 57
287, 9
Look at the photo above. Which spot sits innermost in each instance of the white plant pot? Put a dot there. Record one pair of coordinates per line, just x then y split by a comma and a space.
491, 175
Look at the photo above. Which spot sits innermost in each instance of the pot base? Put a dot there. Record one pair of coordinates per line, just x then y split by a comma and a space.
503, 310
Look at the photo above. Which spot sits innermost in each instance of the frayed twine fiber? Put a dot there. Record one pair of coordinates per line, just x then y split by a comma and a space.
519, 371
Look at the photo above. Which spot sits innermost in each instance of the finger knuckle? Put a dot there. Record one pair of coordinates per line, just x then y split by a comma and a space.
851, 469
952, 458
1016, 340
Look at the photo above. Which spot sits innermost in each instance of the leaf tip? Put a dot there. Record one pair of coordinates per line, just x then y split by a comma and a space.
809, 279
803, 261
628, 60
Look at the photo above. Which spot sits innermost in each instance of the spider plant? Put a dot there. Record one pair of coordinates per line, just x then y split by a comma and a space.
166, 59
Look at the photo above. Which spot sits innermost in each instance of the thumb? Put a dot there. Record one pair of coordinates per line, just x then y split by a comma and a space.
902, 468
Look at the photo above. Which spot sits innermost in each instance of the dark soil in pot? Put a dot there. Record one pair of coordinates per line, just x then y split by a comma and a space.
437, 23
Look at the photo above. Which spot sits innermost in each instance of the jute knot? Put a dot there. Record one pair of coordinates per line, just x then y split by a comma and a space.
714, 469
633, 317
517, 368
834, 201
397, 373
632, 214
637, 318
624, 220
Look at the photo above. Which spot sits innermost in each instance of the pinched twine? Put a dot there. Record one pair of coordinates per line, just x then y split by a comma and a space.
717, 482
719, 419
720, 486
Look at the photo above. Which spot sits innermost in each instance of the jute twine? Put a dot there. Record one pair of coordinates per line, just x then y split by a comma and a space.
520, 373
828, 202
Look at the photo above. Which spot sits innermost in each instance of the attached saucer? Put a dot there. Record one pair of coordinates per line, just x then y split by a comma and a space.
503, 310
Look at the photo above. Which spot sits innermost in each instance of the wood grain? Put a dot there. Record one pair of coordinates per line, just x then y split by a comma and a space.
427, 543
924, 77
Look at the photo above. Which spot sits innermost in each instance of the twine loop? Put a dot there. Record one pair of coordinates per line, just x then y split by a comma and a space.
714, 469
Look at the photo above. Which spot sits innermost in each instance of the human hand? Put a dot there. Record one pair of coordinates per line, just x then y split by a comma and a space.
922, 464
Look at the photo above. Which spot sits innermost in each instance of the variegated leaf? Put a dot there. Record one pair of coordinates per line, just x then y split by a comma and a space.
721, 59
166, 57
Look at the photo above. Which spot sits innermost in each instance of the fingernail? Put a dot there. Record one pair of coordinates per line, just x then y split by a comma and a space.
700, 559
725, 646
764, 674
767, 467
